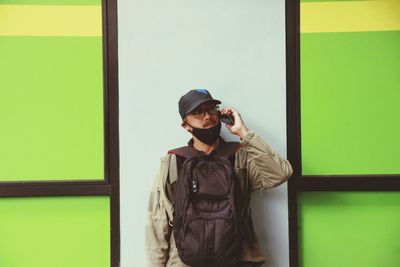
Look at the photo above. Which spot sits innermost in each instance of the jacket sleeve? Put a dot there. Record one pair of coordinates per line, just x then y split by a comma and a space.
158, 231
265, 168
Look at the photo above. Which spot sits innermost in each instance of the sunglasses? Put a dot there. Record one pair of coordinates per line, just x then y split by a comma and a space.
200, 113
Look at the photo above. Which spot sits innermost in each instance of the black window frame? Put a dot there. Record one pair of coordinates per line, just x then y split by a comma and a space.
308, 183
109, 186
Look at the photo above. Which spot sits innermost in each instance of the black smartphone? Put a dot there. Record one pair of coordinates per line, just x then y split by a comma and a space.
227, 118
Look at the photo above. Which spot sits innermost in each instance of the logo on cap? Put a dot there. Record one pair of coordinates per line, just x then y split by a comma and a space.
202, 91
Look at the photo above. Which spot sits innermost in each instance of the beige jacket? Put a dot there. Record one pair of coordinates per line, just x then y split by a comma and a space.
257, 166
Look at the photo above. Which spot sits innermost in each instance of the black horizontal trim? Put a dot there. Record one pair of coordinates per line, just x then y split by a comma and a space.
347, 183
52, 182
31, 190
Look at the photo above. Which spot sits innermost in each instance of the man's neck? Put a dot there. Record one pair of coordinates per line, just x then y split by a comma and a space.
207, 149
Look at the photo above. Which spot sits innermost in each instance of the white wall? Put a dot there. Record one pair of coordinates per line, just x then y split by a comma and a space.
234, 48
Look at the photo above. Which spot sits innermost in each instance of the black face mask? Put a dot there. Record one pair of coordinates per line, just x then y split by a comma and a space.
207, 136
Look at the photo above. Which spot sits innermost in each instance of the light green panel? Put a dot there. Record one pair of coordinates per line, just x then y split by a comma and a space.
349, 229
55, 232
51, 102
350, 94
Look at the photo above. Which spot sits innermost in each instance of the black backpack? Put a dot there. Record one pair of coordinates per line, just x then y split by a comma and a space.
205, 220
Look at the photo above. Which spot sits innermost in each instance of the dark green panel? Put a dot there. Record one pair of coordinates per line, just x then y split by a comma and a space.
349, 229
55, 231
51, 102
350, 94
50, 2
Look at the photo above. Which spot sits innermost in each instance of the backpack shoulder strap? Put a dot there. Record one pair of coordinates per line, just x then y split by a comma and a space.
173, 169
184, 152
228, 149
178, 157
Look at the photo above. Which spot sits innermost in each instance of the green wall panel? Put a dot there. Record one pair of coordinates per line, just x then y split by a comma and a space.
51, 102
349, 229
55, 231
350, 92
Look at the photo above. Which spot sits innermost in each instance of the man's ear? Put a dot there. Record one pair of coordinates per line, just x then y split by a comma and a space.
186, 126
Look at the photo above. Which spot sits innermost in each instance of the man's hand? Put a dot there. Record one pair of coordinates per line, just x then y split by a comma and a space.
238, 128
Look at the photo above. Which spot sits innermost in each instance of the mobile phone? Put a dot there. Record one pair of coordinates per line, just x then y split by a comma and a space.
227, 118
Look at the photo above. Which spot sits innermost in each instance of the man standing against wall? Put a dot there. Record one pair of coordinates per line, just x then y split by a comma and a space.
172, 238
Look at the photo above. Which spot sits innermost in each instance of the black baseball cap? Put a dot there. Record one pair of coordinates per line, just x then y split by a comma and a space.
194, 98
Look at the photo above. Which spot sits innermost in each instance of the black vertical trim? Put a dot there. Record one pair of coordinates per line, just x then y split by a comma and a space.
110, 27
293, 85
293, 119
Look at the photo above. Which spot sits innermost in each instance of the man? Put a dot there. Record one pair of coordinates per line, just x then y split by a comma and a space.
257, 167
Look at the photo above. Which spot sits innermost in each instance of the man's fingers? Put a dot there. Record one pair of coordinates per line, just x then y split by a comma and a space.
224, 110
229, 110
234, 112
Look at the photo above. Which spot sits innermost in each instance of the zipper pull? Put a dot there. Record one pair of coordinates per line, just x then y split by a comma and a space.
194, 186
